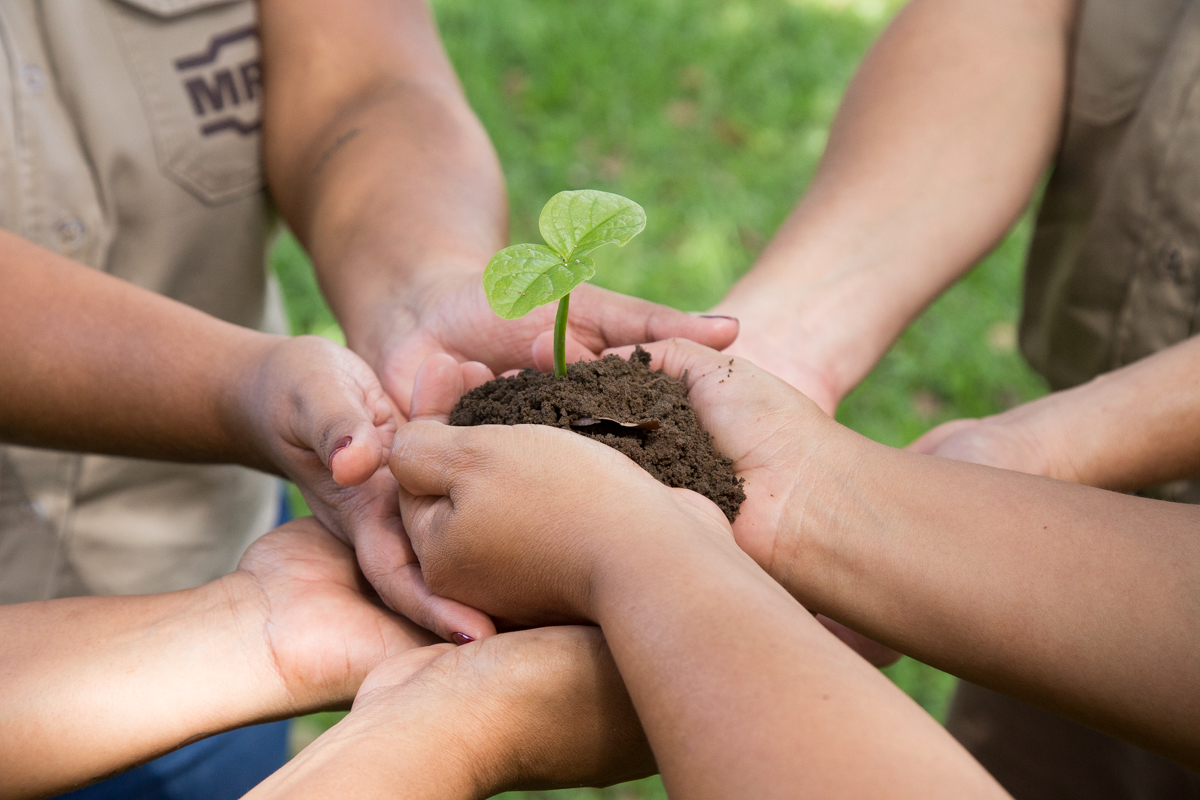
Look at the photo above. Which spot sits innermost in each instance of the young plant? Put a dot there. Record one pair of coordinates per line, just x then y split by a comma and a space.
520, 278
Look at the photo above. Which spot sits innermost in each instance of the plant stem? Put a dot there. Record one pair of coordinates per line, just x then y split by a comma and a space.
560, 337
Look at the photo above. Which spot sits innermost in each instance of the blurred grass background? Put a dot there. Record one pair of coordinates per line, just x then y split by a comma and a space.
712, 114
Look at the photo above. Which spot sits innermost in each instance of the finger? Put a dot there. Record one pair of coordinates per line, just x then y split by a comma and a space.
344, 435
601, 319
436, 388
475, 374
388, 563
423, 454
681, 358
543, 351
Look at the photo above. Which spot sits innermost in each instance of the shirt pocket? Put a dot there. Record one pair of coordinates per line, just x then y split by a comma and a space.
198, 74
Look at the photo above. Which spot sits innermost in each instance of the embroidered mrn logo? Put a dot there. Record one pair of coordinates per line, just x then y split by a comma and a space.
218, 90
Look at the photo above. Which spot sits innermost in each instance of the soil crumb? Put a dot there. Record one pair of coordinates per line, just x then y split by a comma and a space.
624, 404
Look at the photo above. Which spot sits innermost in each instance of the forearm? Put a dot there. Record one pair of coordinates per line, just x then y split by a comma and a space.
1062, 595
94, 685
406, 748
374, 156
1136, 427
742, 693
937, 146
94, 363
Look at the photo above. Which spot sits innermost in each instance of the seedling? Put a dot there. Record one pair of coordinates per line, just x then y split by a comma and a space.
520, 278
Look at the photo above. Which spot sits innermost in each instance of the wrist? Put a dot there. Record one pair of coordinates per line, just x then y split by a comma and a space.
244, 405
827, 324
812, 541
657, 543
381, 309
401, 742
1039, 431
243, 608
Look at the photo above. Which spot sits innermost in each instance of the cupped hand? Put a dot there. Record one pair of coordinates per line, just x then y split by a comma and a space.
543, 708
777, 439
451, 315
322, 624
775, 436
321, 415
512, 520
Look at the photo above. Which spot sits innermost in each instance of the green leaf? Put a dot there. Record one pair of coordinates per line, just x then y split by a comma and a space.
520, 278
576, 223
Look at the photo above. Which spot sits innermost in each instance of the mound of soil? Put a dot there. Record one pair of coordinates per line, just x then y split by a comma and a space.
624, 404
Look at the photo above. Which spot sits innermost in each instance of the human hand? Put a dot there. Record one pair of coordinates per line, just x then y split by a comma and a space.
299, 591
771, 347
1007, 441
777, 438
543, 708
538, 709
513, 520
320, 415
451, 315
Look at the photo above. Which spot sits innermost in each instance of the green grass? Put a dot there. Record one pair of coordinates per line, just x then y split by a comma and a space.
711, 114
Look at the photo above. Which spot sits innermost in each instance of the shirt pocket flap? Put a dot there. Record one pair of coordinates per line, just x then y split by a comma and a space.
173, 8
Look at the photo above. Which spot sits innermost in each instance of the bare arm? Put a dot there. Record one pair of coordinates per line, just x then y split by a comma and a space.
93, 685
373, 155
534, 709
1063, 595
941, 138
95, 363
381, 167
742, 693
1128, 429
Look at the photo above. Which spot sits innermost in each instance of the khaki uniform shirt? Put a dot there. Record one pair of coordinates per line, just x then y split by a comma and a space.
129, 141
1114, 266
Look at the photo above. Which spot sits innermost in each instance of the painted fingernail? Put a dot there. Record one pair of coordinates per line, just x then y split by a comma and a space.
461, 638
718, 316
342, 444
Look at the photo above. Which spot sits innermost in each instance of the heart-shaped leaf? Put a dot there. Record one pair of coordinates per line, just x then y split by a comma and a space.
520, 278
576, 223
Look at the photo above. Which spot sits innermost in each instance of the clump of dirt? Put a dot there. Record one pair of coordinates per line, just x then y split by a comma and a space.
624, 404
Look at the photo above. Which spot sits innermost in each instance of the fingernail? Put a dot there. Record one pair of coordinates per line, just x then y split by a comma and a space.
342, 444
718, 316
461, 638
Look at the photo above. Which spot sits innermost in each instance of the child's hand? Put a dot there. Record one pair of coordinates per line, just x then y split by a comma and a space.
766, 426
543, 708
775, 435
319, 415
535, 709
512, 520
319, 624
777, 439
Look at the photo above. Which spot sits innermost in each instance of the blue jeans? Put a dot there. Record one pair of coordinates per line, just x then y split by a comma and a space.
221, 767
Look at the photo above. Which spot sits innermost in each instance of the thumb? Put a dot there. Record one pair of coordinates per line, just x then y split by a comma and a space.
347, 433
439, 383
354, 457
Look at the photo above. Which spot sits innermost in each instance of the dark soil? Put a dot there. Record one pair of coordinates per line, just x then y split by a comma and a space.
624, 404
